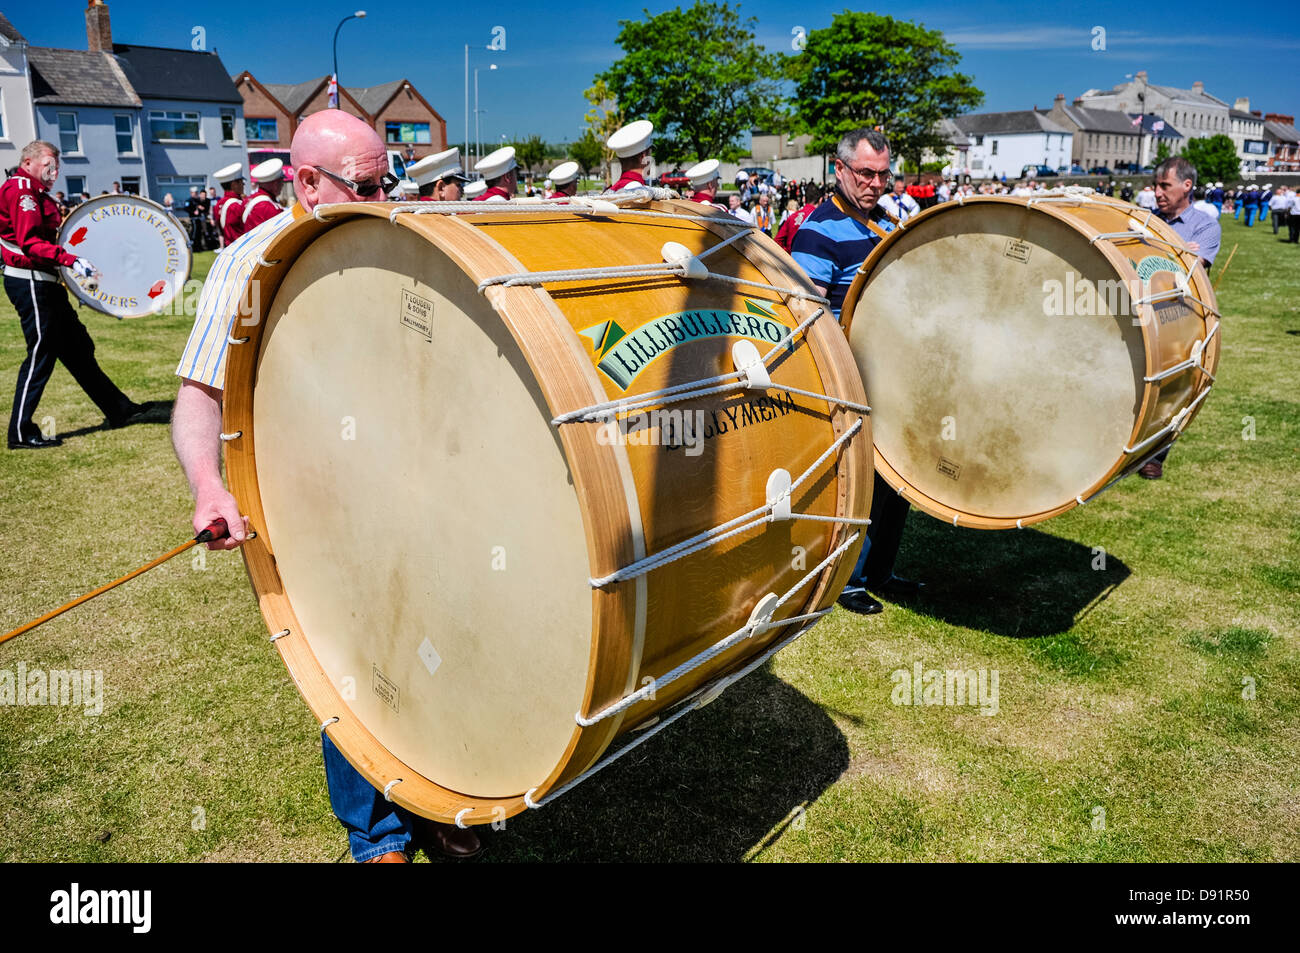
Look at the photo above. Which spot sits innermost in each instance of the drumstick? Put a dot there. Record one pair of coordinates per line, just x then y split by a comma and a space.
215, 530
1225, 266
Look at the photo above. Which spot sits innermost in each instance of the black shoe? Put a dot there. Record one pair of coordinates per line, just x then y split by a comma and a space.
34, 442
898, 586
861, 603
135, 414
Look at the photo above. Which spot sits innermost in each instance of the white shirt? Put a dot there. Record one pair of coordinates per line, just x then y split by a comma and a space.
1279, 201
741, 213
902, 207
1203, 206
1147, 198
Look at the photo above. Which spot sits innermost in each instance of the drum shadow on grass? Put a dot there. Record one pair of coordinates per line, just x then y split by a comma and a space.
717, 785
1020, 583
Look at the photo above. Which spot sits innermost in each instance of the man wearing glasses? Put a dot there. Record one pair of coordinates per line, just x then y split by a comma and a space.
337, 158
830, 246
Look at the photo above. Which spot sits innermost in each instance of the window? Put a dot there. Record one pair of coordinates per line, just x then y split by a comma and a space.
125, 134
174, 126
258, 127
407, 131
995, 148
2, 115
228, 126
979, 140
69, 134
131, 184
76, 185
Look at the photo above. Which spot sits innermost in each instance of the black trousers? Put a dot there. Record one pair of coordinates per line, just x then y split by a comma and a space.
1293, 225
54, 332
884, 536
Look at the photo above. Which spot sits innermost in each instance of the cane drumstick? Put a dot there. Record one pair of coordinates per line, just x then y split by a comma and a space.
215, 530
1225, 266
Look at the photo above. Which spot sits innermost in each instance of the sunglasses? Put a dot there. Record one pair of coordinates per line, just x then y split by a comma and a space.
387, 182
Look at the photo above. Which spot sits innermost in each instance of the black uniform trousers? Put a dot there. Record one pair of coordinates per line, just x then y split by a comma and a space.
884, 536
54, 332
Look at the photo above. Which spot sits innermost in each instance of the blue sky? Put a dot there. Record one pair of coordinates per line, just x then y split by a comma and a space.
1020, 54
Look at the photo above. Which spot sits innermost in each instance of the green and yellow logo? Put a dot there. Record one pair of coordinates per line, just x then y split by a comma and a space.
622, 355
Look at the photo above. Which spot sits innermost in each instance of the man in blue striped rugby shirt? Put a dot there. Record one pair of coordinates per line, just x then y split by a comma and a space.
830, 246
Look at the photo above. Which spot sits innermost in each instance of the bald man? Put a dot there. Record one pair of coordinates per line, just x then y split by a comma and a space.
337, 158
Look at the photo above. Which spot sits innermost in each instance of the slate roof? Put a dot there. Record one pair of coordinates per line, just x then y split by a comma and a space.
294, 96
157, 72
1100, 120
1240, 114
9, 31
78, 78
371, 99
1020, 121
1282, 132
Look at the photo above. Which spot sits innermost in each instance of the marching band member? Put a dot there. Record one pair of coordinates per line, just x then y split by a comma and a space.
704, 181
29, 229
898, 203
439, 176
565, 179
265, 202
500, 172
229, 210
632, 146
474, 191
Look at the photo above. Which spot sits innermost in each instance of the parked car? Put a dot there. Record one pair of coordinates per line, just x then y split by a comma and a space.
1073, 170
1037, 172
764, 175
1100, 170
675, 179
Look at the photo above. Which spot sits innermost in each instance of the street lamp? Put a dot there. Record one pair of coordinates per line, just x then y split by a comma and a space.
478, 144
360, 14
489, 48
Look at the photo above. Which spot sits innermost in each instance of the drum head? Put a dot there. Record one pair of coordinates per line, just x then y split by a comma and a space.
141, 251
982, 399
422, 514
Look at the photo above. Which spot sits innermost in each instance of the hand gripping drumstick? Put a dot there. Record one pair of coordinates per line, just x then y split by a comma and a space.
215, 530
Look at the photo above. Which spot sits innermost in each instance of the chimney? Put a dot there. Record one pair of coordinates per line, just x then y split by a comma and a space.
1078, 100
1242, 104
1198, 87
1142, 75
99, 34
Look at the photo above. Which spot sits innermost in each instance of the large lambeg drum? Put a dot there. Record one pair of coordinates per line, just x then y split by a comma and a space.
525, 480
1023, 354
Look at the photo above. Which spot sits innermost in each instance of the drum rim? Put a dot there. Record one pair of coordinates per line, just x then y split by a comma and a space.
600, 470
1126, 463
68, 277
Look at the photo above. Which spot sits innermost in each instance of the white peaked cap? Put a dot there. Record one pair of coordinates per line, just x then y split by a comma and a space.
497, 163
268, 171
442, 165
564, 173
703, 173
632, 138
475, 189
231, 172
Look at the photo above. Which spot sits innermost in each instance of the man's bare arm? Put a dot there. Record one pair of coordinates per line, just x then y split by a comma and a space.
196, 435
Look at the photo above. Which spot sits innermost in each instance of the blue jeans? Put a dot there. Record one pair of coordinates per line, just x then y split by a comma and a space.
1236, 210
1219, 206
1251, 211
375, 826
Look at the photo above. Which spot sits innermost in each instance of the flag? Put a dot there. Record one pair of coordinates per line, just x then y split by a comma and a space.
334, 92
1157, 125
1136, 122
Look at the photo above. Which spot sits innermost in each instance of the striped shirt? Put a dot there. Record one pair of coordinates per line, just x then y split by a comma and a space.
831, 245
204, 359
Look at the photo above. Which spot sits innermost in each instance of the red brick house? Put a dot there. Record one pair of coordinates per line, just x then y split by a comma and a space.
402, 117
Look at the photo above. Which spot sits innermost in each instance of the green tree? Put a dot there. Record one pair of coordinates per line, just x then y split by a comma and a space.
588, 153
603, 119
530, 153
1215, 157
1162, 151
699, 76
866, 69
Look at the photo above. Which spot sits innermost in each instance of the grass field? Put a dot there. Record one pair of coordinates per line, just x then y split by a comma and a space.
1123, 731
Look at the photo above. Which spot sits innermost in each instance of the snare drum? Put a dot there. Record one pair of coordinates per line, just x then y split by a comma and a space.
1023, 354
140, 250
524, 480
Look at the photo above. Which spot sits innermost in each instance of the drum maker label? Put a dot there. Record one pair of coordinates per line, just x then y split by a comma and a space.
622, 356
